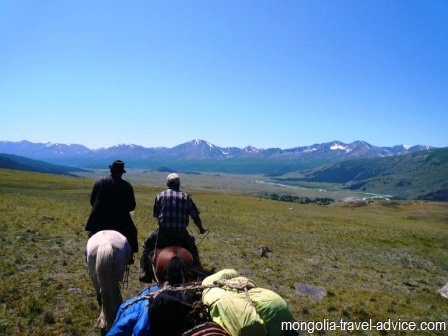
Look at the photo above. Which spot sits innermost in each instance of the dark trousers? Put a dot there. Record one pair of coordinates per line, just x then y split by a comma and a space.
166, 238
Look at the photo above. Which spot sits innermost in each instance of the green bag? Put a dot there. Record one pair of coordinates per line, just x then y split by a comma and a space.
243, 309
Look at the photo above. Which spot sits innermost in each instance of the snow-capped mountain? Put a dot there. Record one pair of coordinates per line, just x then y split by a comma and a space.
42, 150
201, 151
198, 150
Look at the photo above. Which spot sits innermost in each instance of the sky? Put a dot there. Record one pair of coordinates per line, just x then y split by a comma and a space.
266, 73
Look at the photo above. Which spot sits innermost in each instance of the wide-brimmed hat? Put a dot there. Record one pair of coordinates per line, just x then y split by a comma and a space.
117, 167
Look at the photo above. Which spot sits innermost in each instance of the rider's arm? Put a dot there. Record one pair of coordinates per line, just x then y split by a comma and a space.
198, 222
131, 199
156, 208
94, 193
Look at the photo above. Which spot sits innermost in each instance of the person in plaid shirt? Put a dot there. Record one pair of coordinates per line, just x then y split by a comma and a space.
172, 208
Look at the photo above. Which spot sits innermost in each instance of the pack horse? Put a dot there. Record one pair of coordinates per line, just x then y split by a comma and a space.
172, 264
108, 252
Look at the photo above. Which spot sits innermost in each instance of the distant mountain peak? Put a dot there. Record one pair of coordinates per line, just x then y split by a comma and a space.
123, 145
251, 149
338, 146
197, 142
200, 142
195, 152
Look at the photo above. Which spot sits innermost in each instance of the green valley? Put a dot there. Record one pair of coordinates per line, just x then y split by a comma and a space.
379, 260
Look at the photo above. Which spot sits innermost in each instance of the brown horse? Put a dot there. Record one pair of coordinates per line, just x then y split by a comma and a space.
173, 264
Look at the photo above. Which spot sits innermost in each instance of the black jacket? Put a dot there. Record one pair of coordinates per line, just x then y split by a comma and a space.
112, 199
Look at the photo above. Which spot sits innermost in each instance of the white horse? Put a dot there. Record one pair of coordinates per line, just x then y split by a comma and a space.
108, 252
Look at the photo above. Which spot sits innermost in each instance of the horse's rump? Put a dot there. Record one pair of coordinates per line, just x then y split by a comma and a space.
166, 253
171, 264
107, 255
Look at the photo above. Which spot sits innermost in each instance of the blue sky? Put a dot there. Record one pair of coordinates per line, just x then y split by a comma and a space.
234, 73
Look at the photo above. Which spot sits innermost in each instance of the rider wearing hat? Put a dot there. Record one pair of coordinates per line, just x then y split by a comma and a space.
112, 199
172, 208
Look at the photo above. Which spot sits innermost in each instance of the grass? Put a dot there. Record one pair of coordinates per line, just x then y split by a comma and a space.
376, 260
251, 185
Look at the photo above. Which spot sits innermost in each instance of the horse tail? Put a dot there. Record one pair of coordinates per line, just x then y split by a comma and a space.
175, 271
104, 261
106, 267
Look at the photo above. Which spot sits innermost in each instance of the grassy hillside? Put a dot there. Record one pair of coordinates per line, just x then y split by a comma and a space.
420, 175
380, 260
9, 161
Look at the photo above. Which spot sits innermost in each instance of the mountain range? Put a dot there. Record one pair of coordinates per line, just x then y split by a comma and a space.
417, 172
200, 155
418, 175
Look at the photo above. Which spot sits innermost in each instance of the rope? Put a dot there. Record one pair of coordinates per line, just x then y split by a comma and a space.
154, 267
193, 286
203, 237
125, 281
244, 287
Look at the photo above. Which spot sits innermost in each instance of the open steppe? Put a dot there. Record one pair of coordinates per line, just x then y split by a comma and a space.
378, 260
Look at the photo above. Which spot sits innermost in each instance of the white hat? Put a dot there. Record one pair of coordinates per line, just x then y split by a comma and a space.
173, 179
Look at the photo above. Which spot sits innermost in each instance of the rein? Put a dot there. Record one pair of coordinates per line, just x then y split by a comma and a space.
153, 265
203, 237
125, 281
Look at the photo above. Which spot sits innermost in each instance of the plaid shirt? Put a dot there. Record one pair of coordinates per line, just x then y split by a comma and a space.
172, 208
